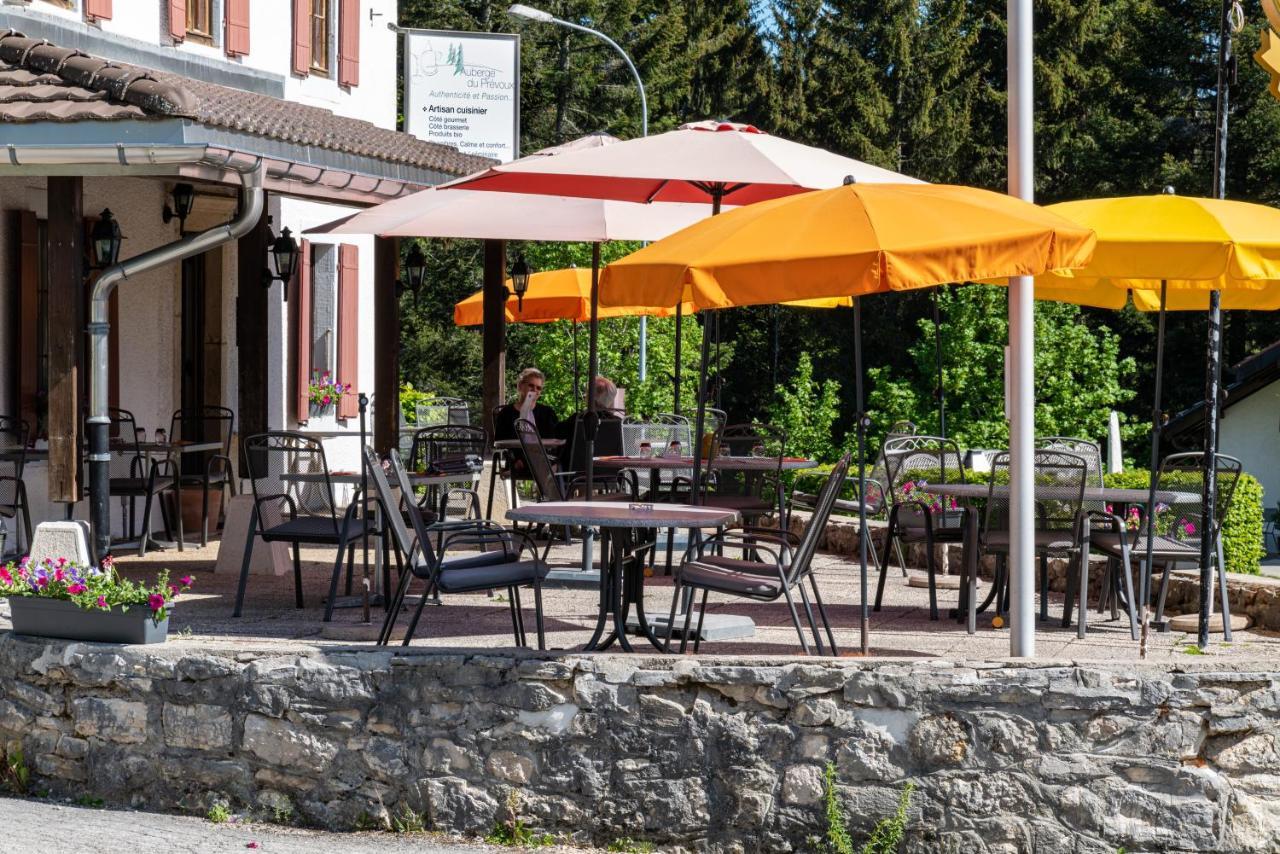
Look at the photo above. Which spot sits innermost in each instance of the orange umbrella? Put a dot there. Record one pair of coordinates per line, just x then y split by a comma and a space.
555, 295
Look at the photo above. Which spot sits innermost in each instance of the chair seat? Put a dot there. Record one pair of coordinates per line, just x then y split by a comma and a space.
138, 485
1163, 547
741, 503
316, 529
467, 574
913, 534
1045, 541
730, 575
217, 477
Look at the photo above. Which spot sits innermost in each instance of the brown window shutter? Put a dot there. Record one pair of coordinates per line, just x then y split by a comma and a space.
302, 305
237, 28
349, 328
178, 19
349, 43
96, 10
302, 37
28, 318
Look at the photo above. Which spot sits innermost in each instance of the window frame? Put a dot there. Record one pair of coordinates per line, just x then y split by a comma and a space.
320, 46
193, 33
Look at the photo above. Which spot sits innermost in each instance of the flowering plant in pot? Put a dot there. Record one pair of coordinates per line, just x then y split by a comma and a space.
324, 391
57, 598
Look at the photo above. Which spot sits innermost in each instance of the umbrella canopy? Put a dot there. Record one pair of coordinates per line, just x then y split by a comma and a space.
554, 295
1194, 244
694, 163
849, 241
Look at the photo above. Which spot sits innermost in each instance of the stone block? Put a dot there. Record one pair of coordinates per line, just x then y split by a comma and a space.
198, 727
280, 743
122, 721
511, 767
53, 540
803, 785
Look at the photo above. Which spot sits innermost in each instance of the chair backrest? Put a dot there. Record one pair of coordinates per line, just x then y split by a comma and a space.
900, 429
442, 410
761, 441
14, 434
1089, 450
126, 452
1183, 519
445, 443
608, 443
288, 471
1060, 481
913, 462
817, 523
418, 547
202, 424
539, 464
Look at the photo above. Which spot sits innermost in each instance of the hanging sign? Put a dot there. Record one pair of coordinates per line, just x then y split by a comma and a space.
1268, 56
463, 90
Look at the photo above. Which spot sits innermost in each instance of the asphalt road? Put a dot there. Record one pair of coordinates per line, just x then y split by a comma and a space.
29, 826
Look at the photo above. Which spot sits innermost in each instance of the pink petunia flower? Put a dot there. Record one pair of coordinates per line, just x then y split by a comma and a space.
76, 589
186, 580
58, 575
5, 576
102, 602
156, 601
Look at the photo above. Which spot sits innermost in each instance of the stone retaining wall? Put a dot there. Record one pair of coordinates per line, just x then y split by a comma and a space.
692, 754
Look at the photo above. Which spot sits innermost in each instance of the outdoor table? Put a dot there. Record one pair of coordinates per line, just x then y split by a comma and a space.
168, 451
504, 449
619, 589
514, 444
1043, 492
8, 452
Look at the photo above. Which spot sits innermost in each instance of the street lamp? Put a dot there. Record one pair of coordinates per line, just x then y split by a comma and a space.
415, 269
285, 251
184, 199
520, 10
106, 238
520, 281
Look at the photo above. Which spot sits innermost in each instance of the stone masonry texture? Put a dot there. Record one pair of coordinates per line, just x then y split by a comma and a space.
690, 754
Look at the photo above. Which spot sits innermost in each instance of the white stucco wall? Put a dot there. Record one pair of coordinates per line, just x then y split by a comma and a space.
1251, 432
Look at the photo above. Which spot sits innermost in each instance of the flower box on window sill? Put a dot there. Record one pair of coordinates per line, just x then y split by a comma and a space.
59, 618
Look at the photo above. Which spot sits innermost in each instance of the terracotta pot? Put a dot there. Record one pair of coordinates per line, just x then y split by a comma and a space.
192, 503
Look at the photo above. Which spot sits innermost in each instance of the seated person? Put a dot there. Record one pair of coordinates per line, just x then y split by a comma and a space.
609, 433
526, 407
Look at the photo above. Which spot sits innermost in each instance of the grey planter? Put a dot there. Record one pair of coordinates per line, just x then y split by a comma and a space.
58, 618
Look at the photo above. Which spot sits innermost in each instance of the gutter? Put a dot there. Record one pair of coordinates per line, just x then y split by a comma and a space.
252, 201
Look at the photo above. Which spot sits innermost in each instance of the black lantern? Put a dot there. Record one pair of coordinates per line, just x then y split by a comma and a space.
415, 269
184, 199
106, 238
520, 280
285, 251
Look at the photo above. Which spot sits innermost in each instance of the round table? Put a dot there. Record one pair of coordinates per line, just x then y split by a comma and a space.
621, 588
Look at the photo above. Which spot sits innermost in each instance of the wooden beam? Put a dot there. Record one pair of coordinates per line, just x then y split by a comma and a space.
495, 328
251, 330
66, 330
386, 335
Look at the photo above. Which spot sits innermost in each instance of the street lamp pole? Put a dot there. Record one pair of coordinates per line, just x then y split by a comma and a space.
522, 11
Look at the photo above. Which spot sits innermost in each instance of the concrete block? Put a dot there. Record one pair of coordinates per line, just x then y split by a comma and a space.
268, 558
61, 539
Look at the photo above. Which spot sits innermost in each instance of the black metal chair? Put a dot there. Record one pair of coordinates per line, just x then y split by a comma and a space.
1179, 527
1060, 481
14, 435
752, 493
915, 514
293, 503
448, 449
499, 564
208, 470
774, 564
132, 475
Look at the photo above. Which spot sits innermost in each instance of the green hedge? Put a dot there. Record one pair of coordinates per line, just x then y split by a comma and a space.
1241, 530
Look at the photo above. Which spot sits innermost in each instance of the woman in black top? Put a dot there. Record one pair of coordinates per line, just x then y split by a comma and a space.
528, 390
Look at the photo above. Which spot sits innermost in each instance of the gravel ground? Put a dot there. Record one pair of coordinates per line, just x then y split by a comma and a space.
52, 828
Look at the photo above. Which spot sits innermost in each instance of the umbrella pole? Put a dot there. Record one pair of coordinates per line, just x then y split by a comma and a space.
863, 617
577, 367
939, 391
675, 377
1157, 426
700, 419
593, 365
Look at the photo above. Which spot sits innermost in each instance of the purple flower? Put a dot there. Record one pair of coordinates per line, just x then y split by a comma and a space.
186, 581
156, 601
1189, 529
102, 602
76, 589
5, 576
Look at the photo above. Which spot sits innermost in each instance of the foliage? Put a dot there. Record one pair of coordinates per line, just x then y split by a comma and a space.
886, 836
1242, 527
219, 813
408, 820
325, 390
627, 845
90, 801
14, 774
807, 410
91, 588
513, 832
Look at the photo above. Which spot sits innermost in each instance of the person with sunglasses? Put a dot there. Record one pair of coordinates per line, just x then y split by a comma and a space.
526, 407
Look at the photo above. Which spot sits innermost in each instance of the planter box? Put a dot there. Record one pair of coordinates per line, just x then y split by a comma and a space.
58, 618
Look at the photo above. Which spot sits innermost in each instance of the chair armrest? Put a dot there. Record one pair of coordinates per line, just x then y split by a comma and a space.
732, 538
216, 461
786, 537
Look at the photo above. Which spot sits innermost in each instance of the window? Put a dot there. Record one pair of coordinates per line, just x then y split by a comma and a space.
200, 21
320, 37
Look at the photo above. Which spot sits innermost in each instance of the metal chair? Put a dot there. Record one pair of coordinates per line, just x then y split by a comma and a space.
1179, 527
438, 411
751, 493
500, 563
1060, 481
915, 514
293, 503
132, 475
207, 469
448, 449
14, 435
773, 565
659, 431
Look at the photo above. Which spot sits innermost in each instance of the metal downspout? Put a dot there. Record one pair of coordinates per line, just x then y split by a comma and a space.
252, 200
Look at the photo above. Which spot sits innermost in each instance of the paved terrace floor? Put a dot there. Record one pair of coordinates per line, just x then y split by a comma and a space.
902, 628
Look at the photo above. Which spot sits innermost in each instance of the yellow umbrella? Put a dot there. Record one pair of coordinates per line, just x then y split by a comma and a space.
1170, 252
554, 295
849, 241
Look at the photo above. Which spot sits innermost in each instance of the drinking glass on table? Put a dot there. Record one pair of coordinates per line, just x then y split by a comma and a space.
161, 436
140, 435
646, 450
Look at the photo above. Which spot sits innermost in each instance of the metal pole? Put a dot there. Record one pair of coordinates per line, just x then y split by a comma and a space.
1157, 426
363, 402
593, 366
700, 419
1213, 368
863, 615
1022, 636
939, 391
577, 368
675, 379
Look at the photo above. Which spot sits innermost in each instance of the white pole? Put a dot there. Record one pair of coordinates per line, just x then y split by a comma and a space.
1022, 628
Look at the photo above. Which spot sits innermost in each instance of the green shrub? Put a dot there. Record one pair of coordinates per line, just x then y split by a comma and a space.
886, 836
1242, 527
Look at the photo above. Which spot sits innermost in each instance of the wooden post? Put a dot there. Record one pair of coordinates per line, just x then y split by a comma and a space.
386, 335
251, 331
495, 328
66, 328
